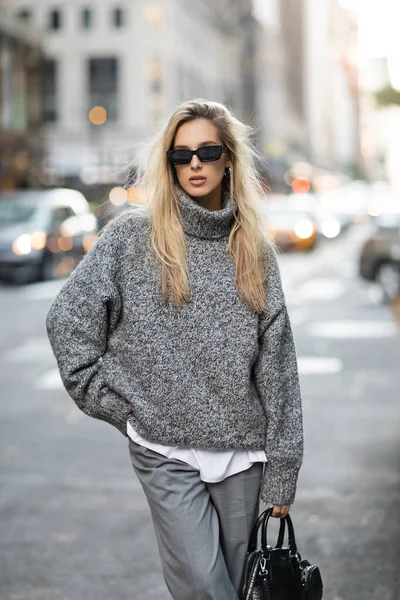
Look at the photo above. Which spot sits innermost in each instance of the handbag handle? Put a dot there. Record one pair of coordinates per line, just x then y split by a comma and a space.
252, 545
292, 539
263, 521
281, 536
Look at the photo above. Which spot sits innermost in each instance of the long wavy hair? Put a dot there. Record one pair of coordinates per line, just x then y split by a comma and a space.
246, 243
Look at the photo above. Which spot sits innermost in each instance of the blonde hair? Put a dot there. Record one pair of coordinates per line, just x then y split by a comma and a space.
246, 241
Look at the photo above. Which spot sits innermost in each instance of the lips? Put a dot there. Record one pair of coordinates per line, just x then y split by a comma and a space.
197, 180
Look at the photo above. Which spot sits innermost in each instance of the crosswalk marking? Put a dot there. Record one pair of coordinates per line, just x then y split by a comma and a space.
316, 290
321, 289
319, 365
50, 380
353, 329
32, 349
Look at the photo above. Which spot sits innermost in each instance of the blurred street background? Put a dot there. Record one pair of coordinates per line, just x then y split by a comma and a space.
83, 85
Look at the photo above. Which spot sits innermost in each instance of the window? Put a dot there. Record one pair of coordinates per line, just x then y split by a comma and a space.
14, 211
50, 91
87, 18
61, 214
103, 85
118, 17
54, 20
24, 14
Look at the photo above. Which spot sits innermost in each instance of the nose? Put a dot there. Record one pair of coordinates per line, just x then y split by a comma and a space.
195, 162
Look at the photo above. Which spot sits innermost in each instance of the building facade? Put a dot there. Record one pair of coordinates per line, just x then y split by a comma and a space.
311, 85
279, 96
294, 39
114, 70
21, 105
331, 95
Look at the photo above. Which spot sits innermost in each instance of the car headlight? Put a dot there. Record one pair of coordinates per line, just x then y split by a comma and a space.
330, 228
26, 242
304, 229
23, 244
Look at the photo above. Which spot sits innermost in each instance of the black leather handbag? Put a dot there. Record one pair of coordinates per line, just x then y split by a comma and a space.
278, 573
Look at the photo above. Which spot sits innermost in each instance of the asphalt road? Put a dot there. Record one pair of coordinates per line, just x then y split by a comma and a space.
74, 524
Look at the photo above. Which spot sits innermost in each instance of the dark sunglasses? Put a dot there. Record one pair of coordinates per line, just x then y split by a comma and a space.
182, 156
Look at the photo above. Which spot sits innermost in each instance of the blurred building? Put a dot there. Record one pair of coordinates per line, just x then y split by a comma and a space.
330, 92
114, 69
346, 91
279, 94
294, 40
21, 104
379, 59
246, 38
308, 97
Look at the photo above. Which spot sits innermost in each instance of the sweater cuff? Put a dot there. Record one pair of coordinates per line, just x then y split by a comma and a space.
110, 407
114, 410
279, 481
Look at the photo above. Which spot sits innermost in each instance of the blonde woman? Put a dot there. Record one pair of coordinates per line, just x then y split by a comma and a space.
174, 329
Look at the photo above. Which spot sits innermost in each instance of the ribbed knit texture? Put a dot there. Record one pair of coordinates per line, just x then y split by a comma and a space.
213, 374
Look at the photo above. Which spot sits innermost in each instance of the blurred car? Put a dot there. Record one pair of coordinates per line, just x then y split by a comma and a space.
381, 204
43, 233
326, 222
380, 254
290, 226
339, 207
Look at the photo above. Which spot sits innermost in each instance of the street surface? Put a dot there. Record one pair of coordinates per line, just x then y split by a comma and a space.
74, 523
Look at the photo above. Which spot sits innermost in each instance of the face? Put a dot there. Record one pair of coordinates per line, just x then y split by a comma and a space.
200, 178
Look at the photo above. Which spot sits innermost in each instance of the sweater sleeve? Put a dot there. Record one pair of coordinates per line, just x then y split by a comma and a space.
278, 386
84, 312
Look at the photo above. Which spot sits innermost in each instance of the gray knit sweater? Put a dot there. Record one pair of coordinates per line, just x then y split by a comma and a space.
213, 374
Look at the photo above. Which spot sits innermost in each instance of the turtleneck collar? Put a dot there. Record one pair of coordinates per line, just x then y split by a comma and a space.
203, 223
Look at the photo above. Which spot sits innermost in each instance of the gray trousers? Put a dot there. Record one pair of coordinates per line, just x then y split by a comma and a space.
202, 529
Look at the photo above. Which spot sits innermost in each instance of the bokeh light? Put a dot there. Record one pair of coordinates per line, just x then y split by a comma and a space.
98, 115
118, 196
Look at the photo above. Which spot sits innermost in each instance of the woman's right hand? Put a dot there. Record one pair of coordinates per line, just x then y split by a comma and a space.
279, 511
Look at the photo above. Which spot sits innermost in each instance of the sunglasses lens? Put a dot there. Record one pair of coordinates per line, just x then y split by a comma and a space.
180, 157
205, 154
210, 153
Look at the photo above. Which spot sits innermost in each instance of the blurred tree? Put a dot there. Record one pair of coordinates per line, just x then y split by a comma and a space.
388, 96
